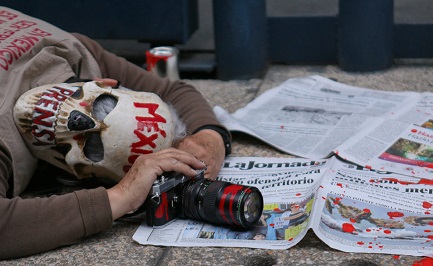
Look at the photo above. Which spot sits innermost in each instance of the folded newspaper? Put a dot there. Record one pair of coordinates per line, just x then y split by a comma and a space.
374, 196
350, 208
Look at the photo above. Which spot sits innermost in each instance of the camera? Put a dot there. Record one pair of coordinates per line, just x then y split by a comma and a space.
174, 195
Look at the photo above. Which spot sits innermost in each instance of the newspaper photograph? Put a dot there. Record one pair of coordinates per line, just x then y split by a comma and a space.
311, 116
361, 210
391, 145
349, 207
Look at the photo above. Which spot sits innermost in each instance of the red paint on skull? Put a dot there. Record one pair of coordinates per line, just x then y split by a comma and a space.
146, 124
45, 112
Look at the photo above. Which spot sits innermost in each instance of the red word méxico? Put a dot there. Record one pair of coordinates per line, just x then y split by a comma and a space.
44, 115
146, 124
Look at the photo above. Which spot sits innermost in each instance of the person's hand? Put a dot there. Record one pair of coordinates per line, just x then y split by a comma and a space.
208, 146
131, 192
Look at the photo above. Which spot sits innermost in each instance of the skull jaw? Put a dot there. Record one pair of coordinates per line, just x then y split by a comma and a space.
102, 174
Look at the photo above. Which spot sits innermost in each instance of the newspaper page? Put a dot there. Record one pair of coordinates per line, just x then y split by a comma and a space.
391, 145
311, 116
288, 186
420, 114
361, 210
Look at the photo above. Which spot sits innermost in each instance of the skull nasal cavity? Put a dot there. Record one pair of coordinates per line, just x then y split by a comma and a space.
79, 121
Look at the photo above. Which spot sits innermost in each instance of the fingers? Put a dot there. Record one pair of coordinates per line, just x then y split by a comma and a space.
207, 145
131, 192
152, 165
171, 160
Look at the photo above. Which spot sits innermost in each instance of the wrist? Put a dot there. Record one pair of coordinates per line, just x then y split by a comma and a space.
118, 207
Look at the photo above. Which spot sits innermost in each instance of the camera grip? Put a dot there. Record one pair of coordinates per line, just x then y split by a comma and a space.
161, 210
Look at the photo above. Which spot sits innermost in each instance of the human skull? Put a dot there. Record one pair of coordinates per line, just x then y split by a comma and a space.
92, 130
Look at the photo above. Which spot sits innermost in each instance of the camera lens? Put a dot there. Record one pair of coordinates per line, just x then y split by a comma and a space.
253, 207
221, 202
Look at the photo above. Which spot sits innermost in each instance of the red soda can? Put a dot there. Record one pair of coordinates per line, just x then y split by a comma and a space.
163, 61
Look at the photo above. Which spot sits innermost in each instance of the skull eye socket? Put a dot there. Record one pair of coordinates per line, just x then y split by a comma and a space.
103, 105
78, 121
94, 148
78, 94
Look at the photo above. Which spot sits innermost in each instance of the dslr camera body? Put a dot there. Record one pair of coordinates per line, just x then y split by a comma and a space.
174, 195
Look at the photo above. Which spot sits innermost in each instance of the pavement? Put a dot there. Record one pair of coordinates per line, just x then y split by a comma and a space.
116, 246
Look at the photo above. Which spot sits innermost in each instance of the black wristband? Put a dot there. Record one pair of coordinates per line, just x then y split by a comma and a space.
224, 134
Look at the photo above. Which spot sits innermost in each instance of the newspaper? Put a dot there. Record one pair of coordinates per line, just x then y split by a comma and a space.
401, 143
314, 117
350, 208
374, 196
282, 182
391, 145
311, 116
362, 210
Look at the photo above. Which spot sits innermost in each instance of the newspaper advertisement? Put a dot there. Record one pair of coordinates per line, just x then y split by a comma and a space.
349, 207
311, 116
391, 145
